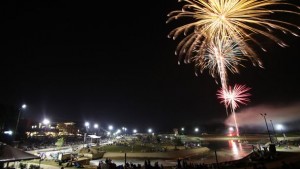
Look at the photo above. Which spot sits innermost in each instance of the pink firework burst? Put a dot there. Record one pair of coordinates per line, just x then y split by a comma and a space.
235, 96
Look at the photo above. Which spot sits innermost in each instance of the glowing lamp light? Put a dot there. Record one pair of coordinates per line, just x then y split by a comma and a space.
149, 130
134, 130
196, 129
110, 127
279, 127
9, 132
46, 121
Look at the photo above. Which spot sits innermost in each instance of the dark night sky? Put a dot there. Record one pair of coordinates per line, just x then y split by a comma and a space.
111, 62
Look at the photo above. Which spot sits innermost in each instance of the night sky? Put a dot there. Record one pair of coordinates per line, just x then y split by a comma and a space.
111, 62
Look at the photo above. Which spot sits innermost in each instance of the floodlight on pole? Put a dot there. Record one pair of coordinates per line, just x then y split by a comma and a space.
280, 127
264, 116
274, 130
46, 121
23, 107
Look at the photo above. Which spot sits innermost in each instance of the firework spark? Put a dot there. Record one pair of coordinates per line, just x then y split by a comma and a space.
221, 54
221, 34
232, 97
238, 19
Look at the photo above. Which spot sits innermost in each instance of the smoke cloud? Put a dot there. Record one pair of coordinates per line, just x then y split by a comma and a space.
286, 115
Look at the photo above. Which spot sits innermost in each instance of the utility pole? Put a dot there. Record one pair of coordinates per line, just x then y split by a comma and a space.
18, 119
274, 130
264, 116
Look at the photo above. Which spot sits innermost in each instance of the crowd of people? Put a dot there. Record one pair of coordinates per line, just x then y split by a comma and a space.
181, 164
108, 164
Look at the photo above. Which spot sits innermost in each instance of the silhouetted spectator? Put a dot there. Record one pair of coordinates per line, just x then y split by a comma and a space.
284, 165
178, 163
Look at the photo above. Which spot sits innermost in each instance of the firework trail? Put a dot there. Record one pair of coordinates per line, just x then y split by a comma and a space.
232, 97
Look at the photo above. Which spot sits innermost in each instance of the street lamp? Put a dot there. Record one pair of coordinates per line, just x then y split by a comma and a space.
20, 111
182, 130
96, 126
124, 130
110, 127
87, 125
264, 116
46, 122
196, 129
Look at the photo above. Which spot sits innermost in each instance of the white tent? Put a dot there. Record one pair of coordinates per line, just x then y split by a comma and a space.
95, 137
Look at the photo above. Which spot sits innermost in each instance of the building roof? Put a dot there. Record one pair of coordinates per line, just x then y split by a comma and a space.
11, 154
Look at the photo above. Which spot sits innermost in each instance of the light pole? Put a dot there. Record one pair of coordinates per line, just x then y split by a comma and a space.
110, 127
124, 130
96, 126
280, 127
264, 116
87, 125
274, 131
46, 122
20, 111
